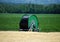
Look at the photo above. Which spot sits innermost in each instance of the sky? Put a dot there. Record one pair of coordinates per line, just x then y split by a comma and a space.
32, 1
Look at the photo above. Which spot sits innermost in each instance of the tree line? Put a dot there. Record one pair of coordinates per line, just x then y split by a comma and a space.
29, 8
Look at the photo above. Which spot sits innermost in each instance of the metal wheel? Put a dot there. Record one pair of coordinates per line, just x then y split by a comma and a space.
29, 23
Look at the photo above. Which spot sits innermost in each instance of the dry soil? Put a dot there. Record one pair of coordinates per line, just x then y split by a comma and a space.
16, 36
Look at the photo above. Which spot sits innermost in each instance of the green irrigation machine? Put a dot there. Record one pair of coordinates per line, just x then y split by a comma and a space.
29, 23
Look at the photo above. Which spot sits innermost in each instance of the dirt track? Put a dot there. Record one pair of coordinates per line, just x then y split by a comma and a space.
15, 36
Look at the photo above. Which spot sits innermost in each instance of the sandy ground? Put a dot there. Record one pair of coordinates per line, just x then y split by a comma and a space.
15, 36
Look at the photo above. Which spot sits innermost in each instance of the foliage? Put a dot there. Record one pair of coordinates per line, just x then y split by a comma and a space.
29, 8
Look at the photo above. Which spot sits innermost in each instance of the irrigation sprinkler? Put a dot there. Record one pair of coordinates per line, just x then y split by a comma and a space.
29, 23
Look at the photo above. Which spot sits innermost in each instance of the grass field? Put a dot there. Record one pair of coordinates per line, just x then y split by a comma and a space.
47, 22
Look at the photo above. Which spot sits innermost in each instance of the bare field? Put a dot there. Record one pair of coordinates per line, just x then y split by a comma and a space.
16, 36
